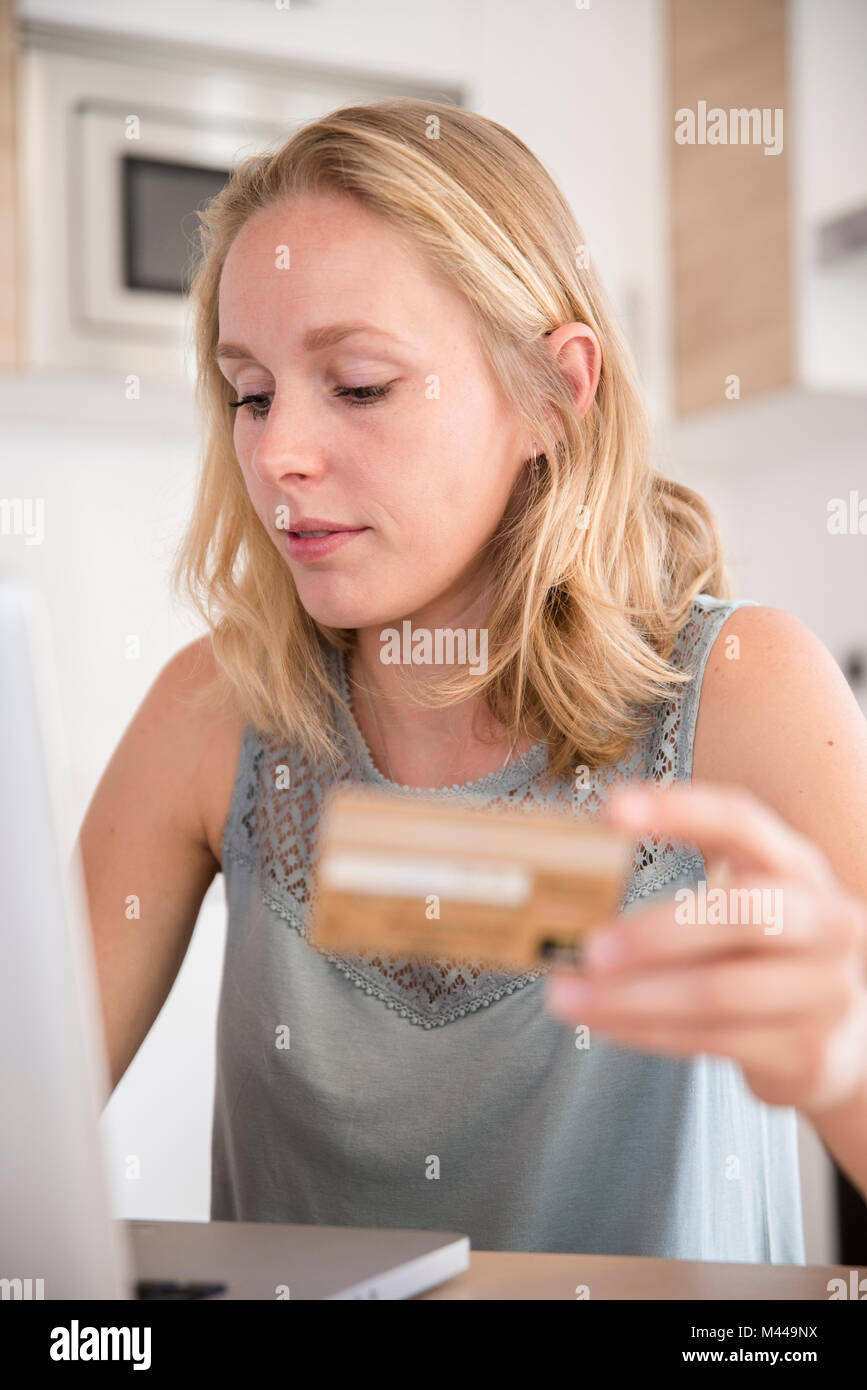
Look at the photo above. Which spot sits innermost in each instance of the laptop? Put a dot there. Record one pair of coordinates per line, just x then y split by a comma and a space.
58, 1238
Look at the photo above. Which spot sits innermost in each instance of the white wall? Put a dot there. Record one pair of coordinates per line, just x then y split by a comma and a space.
769, 467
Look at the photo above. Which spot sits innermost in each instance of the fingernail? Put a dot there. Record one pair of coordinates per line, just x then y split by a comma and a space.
568, 994
604, 949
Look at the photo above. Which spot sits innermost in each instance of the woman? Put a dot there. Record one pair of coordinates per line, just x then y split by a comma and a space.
420, 410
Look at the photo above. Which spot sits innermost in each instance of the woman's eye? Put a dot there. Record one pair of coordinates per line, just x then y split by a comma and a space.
259, 405
357, 395
361, 395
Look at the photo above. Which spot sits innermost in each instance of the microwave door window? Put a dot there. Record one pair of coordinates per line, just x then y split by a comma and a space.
159, 226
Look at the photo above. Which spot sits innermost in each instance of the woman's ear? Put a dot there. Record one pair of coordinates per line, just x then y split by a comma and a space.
578, 354
579, 357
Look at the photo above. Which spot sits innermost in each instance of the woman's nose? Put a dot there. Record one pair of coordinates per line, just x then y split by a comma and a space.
289, 444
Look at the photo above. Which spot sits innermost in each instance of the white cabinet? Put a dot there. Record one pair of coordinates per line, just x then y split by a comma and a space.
827, 50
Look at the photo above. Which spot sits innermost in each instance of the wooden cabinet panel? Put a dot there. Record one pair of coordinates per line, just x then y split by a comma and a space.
730, 219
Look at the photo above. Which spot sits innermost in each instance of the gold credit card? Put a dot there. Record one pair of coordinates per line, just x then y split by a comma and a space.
412, 877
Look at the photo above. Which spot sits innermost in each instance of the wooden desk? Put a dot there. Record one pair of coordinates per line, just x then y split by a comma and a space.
502, 1275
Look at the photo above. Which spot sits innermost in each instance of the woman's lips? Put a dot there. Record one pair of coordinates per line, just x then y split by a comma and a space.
317, 547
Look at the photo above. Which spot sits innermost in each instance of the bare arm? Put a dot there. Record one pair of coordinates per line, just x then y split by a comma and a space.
781, 720
143, 838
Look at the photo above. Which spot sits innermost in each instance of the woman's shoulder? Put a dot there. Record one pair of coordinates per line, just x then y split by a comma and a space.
216, 726
707, 616
756, 659
697, 645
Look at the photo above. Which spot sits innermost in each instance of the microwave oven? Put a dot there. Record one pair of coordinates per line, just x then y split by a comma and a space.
122, 140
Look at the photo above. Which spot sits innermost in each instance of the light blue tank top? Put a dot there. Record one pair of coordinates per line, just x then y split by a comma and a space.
369, 1092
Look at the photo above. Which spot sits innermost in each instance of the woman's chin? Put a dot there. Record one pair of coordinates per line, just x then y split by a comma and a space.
337, 602
340, 615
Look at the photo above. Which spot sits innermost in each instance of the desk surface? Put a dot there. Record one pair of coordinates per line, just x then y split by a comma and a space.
500, 1275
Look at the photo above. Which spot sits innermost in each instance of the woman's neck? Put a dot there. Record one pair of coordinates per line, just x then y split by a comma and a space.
412, 744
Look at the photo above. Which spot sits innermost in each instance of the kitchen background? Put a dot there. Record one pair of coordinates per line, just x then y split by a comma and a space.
740, 275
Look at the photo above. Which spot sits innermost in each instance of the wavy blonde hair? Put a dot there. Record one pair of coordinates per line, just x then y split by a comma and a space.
598, 557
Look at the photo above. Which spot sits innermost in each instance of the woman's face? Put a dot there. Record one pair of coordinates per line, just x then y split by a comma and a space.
396, 429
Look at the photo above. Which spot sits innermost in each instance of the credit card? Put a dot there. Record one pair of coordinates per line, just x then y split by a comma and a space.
412, 877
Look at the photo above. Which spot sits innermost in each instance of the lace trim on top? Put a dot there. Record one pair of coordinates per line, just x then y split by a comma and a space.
272, 827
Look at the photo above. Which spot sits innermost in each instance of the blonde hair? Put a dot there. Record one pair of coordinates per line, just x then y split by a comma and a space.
593, 573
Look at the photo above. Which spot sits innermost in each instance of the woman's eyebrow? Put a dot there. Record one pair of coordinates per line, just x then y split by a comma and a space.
314, 339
